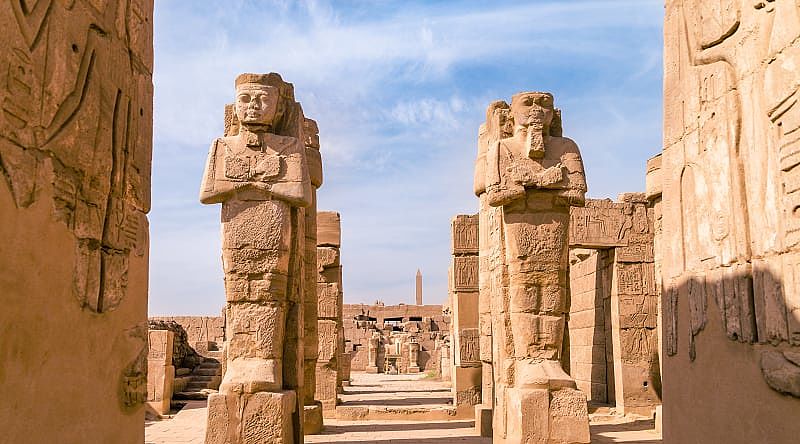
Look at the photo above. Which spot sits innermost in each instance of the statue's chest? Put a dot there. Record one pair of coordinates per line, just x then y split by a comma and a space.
251, 166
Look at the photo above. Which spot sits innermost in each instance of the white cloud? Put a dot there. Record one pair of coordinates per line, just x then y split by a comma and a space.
398, 90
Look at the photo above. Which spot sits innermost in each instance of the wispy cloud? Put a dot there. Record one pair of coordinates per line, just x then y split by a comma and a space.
398, 89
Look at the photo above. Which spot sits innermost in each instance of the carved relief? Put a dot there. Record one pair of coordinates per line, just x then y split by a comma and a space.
601, 223
630, 279
465, 269
96, 94
469, 345
465, 234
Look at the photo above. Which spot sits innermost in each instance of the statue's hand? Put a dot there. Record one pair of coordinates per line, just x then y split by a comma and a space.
499, 196
550, 176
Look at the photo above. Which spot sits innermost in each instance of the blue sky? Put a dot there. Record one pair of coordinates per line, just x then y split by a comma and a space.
399, 90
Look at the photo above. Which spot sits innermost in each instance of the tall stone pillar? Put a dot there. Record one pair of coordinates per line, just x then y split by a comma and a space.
160, 371
530, 176
329, 321
259, 173
76, 126
413, 355
464, 312
312, 408
418, 287
373, 354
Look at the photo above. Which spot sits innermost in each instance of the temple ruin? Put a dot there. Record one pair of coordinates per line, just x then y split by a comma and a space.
666, 312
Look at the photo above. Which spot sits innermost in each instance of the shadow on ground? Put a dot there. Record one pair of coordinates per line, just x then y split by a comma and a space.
395, 427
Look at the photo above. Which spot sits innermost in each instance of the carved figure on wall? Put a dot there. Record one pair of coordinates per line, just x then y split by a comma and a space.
260, 176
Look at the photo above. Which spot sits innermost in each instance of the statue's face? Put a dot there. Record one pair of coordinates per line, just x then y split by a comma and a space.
256, 104
529, 109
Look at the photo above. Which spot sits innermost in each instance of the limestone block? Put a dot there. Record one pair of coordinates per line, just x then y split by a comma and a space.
465, 273
467, 386
464, 231
326, 385
468, 352
569, 417
328, 295
255, 330
251, 418
653, 178
329, 229
312, 418
327, 257
328, 339
160, 347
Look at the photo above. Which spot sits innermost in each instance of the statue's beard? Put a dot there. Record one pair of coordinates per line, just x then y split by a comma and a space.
534, 140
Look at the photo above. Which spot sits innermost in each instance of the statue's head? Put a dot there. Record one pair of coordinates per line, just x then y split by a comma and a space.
261, 99
533, 109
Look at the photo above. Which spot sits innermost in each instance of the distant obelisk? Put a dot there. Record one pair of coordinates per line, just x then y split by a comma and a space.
419, 287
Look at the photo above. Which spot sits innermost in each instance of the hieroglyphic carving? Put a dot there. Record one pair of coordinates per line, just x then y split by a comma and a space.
601, 223
469, 345
630, 279
465, 269
732, 187
68, 79
465, 234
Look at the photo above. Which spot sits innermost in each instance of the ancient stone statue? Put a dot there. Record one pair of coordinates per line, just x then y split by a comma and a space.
528, 176
261, 178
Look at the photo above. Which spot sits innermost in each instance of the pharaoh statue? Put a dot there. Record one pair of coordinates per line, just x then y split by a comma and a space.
259, 173
527, 177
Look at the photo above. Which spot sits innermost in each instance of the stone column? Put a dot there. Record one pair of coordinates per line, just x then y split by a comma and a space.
160, 371
446, 365
259, 173
634, 298
372, 353
76, 132
312, 408
464, 312
329, 321
531, 175
413, 355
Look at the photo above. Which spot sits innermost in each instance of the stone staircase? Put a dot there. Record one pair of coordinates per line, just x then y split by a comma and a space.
204, 379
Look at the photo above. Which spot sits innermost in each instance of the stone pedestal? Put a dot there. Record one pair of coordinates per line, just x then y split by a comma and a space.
547, 416
160, 371
251, 418
413, 357
312, 418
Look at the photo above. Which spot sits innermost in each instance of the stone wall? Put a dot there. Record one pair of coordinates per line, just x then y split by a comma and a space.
75, 154
590, 344
731, 232
204, 333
